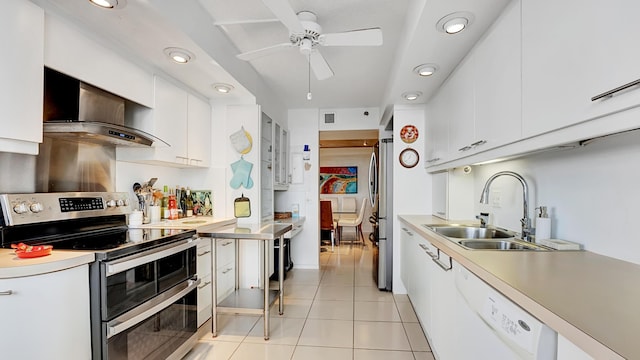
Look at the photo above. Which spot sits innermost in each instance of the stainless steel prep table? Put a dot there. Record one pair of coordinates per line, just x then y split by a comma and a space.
249, 301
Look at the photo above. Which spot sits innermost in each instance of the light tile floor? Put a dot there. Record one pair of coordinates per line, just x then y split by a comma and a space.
336, 313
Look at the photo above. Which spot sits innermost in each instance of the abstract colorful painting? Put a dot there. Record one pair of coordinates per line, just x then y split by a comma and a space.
339, 180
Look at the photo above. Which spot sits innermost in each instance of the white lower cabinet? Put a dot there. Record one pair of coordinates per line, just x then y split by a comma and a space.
46, 316
443, 307
431, 289
203, 264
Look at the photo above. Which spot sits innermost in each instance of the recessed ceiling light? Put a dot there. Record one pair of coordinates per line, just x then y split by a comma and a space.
109, 4
455, 22
178, 55
425, 69
222, 88
411, 95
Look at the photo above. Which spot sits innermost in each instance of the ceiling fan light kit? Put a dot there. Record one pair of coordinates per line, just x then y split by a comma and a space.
306, 34
455, 22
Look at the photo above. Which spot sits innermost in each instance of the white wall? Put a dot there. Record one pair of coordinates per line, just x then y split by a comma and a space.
591, 193
359, 157
411, 187
305, 248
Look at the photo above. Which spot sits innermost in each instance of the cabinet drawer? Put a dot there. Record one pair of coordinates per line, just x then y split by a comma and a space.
204, 299
225, 251
226, 281
203, 259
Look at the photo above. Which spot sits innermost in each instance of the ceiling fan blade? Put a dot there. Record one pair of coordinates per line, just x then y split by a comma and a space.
242, 22
321, 69
283, 11
363, 37
254, 54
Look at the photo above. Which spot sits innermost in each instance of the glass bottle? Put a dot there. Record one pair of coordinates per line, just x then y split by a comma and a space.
173, 208
183, 202
164, 204
189, 203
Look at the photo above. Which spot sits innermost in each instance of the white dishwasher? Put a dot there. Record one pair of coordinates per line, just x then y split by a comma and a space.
490, 326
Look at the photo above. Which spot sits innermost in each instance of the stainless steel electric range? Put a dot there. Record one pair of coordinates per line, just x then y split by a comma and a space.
143, 282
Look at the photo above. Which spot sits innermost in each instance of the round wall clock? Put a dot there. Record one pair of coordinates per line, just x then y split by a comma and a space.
409, 158
409, 134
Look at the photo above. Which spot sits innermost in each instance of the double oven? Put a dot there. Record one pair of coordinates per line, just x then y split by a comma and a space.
143, 283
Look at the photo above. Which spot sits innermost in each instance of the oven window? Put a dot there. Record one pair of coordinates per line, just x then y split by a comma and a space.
129, 288
158, 336
175, 269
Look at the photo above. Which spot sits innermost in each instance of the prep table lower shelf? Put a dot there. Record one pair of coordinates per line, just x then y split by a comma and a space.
246, 301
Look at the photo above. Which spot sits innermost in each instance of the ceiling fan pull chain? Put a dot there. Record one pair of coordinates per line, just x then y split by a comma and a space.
309, 77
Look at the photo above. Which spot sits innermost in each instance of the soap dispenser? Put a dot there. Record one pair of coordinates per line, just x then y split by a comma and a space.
543, 224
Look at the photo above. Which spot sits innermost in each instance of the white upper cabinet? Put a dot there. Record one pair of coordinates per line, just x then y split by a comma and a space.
459, 97
572, 51
199, 132
72, 51
498, 91
479, 107
180, 119
21, 76
437, 131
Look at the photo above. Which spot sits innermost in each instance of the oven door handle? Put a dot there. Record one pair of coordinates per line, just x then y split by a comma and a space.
130, 262
150, 308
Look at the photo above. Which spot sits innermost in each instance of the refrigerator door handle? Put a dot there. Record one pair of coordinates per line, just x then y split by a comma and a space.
373, 180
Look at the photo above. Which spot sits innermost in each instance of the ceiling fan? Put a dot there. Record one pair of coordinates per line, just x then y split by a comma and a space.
306, 34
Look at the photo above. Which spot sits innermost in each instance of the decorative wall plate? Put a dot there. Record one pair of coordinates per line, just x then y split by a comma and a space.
409, 134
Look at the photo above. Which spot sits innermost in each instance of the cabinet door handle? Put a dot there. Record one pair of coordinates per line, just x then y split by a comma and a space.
6, 292
613, 91
445, 267
226, 270
204, 285
204, 253
433, 160
226, 243
465, 148
478, 143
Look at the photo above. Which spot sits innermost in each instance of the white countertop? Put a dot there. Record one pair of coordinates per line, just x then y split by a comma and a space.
11, 266
590, 299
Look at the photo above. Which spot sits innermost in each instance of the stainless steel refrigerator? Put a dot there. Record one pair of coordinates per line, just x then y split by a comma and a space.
381, 198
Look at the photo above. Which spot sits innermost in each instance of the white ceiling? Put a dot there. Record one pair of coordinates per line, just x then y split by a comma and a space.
364, 76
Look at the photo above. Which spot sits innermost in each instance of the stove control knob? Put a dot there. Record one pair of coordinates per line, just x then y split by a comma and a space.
36, 207
119, 202
20, 208
111, 203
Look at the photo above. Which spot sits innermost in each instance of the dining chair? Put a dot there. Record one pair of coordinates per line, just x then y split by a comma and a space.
355, 222
348, 205
327, 224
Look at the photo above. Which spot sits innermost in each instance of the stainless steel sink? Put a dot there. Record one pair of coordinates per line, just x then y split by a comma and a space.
500, 245
470, 232
483, 238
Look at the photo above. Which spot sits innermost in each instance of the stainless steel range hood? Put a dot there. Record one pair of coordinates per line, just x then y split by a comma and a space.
77, 111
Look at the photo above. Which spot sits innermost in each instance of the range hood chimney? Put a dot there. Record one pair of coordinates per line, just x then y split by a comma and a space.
77, 111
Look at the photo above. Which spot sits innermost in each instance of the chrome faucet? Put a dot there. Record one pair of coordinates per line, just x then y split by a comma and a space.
525, 221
